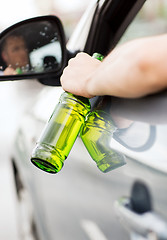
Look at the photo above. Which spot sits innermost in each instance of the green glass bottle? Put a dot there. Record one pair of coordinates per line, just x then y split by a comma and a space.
19, 70
96, 134
60, 133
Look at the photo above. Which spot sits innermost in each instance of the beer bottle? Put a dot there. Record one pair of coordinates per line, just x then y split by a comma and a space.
96, 134
61, 131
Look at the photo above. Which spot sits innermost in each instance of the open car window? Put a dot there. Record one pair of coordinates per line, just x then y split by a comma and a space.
150, 21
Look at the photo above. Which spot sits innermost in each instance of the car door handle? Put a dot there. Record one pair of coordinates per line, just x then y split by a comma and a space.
147, 225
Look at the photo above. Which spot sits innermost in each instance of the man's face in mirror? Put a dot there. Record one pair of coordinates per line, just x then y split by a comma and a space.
15, 52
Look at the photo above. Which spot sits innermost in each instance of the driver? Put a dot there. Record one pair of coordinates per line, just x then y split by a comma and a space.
15, 54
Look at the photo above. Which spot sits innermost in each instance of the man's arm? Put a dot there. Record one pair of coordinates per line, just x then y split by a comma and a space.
134, 69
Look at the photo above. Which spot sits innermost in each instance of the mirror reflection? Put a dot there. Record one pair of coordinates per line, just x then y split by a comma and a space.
31, 48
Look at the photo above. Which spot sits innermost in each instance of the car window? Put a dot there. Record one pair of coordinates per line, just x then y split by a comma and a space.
151, 20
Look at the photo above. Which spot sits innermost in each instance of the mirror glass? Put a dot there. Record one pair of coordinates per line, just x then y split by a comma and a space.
32, 47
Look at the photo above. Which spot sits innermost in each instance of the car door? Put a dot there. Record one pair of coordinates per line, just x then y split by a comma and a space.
131, 191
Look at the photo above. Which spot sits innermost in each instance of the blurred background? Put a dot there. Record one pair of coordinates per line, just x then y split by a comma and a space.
17, 10
153, 17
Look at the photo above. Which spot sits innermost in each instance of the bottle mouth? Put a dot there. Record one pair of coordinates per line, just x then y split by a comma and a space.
111, 162
46, 166
105, 168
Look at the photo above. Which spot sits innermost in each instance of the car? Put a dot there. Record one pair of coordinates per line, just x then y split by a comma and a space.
81, 202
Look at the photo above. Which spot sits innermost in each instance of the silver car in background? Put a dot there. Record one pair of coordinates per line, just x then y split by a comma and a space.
81, 202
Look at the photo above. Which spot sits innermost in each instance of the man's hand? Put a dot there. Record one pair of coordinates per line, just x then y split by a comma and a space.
9, 71
76, 75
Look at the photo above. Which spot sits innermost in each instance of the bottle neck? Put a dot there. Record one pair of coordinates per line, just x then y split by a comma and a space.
77, 103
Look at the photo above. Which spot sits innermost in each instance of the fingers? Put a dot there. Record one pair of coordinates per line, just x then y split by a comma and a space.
77, 74
9, 71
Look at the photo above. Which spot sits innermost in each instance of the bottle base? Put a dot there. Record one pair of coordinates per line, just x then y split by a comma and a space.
44, 165
47, 158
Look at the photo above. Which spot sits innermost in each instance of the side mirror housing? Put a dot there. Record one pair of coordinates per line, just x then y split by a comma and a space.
33, 48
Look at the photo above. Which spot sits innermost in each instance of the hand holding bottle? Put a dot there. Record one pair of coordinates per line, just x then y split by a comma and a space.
61, 131
76, 75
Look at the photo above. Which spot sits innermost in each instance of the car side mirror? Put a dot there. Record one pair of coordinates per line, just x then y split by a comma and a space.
33, 48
